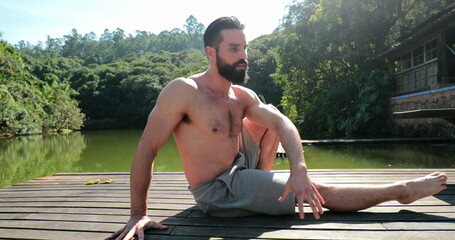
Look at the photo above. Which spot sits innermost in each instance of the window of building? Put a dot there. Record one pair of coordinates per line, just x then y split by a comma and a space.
416, 70
406, 61
422, 54
417, 56
430, 50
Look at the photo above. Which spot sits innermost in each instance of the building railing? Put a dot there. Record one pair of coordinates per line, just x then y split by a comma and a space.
417, 78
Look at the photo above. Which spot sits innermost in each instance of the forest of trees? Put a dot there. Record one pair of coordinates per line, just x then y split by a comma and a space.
334, 85
319, 67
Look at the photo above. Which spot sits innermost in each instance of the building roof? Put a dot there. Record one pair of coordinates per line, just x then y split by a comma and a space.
433, 24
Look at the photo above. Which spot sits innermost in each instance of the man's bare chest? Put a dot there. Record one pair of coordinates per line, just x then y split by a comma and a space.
223, 117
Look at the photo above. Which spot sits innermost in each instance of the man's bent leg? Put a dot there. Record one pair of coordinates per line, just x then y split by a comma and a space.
267, 140
354, 198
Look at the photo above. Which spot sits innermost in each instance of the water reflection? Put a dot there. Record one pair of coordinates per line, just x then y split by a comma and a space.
28, 157
25, 158
416, 155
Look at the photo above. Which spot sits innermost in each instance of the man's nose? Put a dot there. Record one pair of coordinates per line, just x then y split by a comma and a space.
243, 54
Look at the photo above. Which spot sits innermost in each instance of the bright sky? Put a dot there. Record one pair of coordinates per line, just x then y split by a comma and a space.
34, 20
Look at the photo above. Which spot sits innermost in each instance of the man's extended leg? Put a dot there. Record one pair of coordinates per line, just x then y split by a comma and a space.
353, 198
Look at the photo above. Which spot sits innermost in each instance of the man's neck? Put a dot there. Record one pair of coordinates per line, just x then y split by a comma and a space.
216, 83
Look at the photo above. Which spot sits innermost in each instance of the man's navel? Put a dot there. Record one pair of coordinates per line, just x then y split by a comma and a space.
186, 119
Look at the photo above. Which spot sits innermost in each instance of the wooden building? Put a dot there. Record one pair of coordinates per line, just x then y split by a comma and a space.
423, 71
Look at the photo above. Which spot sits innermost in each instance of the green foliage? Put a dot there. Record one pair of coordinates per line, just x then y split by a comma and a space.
111, 46
333, 85
262, 63
121, 94
195, 31
29, 105
113, 81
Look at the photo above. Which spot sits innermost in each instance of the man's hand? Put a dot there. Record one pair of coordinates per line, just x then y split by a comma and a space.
136, 226
305, 191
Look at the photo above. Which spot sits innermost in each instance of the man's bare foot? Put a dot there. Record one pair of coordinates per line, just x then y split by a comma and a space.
423, 187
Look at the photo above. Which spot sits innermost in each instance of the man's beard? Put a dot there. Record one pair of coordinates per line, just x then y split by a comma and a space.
230, 73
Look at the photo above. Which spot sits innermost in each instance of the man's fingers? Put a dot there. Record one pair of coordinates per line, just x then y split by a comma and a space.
155, 225
127, 233
150, 225
116, 233
140, 235
130, 234
306, 192
319, 196
284, 196
300, 205
121, 236
319, 200
321, 210
313, 201
160, 226
314, 208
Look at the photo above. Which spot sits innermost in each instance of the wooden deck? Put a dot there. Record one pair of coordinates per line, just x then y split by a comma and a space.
63, 207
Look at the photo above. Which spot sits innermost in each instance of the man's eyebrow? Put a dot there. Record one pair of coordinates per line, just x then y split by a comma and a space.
236, 45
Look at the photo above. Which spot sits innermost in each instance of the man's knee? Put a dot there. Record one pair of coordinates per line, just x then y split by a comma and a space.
260, 133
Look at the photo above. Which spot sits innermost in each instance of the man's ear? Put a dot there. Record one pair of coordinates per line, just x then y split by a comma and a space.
211, 53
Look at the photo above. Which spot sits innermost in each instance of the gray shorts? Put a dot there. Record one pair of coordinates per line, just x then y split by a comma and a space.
243, 190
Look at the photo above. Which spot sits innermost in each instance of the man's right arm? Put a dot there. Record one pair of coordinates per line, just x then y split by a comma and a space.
167, 113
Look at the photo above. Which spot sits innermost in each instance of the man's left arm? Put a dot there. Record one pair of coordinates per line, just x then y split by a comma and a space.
298, 182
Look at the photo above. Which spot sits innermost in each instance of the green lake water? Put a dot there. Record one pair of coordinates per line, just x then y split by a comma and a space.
29, 157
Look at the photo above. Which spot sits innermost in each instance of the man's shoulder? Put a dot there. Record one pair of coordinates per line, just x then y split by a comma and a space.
244, 91
183, 82
182, 85
184, 88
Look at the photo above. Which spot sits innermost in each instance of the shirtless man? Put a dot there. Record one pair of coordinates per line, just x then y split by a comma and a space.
227, 140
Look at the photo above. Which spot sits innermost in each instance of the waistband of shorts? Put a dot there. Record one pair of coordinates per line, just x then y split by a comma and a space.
203, 187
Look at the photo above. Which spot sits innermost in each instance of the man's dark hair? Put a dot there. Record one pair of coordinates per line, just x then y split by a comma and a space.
212, 35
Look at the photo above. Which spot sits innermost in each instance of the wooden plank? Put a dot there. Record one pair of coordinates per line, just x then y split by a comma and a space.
68, 217
92, 211
102, 205
48, 234
260, 222
273, 233
85, 194
62, 225
92, 200
165, 237
401, 215
420, 225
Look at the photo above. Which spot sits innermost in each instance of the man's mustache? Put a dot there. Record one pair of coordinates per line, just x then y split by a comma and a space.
242, 61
